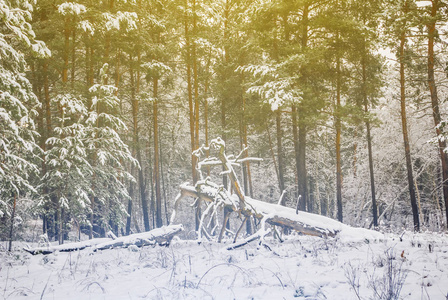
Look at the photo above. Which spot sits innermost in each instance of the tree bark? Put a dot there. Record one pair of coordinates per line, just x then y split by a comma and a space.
435, 101
13, 215
227, 61
405, 129
338, 140
295, 135
271, 148
159, 222
246, 165
73, 70
281, 179
196, 106
369, 142
190, 94
65, 54
137, 150
300, 130
129, 210
302, 173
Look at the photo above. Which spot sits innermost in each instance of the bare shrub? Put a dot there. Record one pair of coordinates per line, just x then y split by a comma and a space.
353, 275
388, 285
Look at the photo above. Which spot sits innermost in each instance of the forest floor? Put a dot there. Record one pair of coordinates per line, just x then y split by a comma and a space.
302, 267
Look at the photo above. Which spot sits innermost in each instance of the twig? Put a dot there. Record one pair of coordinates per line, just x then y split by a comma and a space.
45, 287
240, 228
279, 280
223, 264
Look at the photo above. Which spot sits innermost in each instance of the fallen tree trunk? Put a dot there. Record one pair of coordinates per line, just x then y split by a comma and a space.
217, 197
285, 217
161, 236
67, 247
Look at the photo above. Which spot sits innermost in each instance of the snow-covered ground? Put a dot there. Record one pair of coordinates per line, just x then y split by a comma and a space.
302, 267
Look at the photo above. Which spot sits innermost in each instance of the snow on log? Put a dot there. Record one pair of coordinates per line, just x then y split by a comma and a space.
303, 222
306, 223
218, 197
67, 247
161, 236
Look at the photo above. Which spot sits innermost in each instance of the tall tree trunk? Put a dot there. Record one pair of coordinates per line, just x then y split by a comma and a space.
302, 173
163, 180
369, 144
37, 89
49, 219
207, 152
196, 107
87, 62
13, 215
435, 101
129, 210
151, 182
225, 183
91, 63
117, 72
195, 80
271, 148
159, 222
280, 154
246, 165
190, 95
338, 139
141, 177
107, 46
281, 179
405, 131
223, 102
298, 156
299, 128
73, 70
66, 51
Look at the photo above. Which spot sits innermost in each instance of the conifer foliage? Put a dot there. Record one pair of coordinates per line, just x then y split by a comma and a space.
17, 106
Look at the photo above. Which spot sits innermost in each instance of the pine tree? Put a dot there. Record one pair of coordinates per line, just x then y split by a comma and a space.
18, 106
400, 17
107, 154
434, 17
68, 171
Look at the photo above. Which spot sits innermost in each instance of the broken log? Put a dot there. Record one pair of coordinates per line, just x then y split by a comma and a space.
219, 198
285, 217
160, 236
67, 247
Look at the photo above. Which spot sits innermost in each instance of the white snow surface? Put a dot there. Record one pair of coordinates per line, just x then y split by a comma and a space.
302, 267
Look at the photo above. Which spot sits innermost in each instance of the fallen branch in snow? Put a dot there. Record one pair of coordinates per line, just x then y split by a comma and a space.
258, 235
67, 247
161, 236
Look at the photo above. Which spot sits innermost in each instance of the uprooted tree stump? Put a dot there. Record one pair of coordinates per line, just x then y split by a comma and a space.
218, 197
